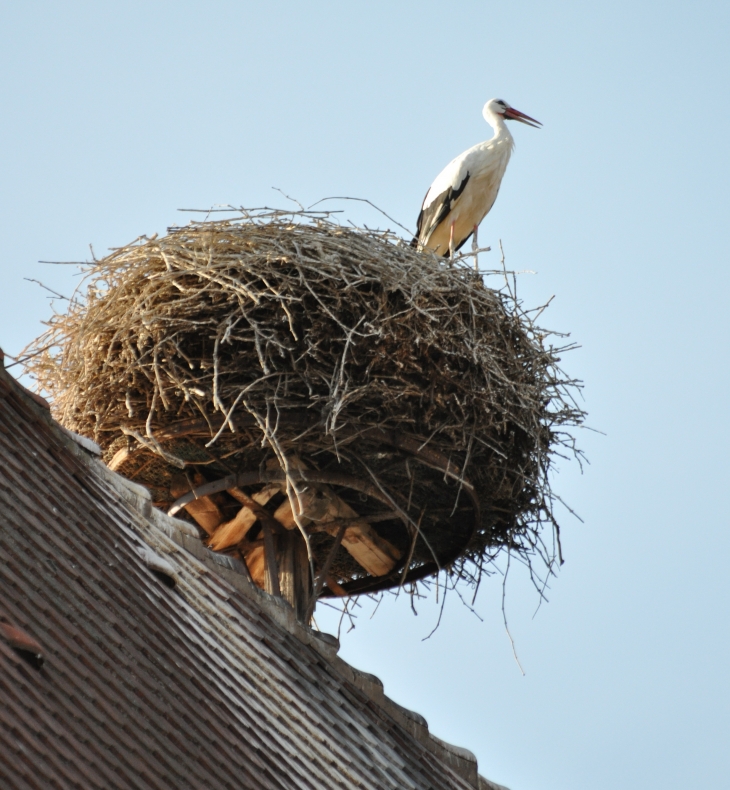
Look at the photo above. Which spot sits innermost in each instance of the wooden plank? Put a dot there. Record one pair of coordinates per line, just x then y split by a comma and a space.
375, 554
204, 510
258, 563
206, 513
314, 507
260, 497
234, 531
258, 509
119, 458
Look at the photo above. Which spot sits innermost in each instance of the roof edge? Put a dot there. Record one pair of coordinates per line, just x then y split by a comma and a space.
186, 536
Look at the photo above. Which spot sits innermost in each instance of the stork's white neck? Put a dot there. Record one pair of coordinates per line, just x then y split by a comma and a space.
497, 122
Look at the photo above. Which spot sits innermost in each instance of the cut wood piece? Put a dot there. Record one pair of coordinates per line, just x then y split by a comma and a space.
375, 554
203, 509
206, 513
235, 530
314, 507
323, 507
256, 507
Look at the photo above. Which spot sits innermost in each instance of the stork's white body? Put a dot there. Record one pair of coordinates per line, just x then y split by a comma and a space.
465, 190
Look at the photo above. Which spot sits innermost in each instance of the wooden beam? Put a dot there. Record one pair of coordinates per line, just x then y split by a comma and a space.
256, 507
311, 506
324, 508
203, 509
247, 545
235, 530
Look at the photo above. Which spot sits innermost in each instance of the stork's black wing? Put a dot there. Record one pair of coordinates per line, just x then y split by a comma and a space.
437, 210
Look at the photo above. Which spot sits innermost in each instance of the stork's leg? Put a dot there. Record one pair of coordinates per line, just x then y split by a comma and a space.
451, 243
474, 248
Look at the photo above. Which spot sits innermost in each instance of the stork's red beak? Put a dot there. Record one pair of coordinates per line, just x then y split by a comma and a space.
515, 115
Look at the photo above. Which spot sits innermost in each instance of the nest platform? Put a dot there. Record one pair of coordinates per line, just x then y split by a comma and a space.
300, 389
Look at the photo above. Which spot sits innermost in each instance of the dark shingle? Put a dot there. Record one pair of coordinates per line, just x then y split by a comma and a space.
206, 684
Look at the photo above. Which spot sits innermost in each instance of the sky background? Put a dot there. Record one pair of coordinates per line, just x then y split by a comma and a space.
115, 115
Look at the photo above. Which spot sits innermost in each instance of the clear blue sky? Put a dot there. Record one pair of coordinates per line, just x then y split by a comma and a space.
114, 115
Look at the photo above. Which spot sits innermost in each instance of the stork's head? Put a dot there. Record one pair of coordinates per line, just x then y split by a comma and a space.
500, 107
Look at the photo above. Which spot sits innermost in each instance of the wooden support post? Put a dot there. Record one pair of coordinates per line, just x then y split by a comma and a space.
294, 576
279, 562
324, 573
271, 577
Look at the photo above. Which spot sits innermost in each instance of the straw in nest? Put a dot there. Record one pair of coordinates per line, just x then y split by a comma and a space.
281, 369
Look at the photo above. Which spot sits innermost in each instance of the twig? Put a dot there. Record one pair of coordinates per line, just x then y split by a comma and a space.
364, 200
43, 285
504, 614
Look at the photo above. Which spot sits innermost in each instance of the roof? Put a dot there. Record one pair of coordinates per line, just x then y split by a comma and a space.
133, 657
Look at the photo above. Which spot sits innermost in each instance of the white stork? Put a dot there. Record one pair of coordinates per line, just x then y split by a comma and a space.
465, 190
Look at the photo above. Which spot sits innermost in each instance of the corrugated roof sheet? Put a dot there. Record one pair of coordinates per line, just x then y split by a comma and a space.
160, 665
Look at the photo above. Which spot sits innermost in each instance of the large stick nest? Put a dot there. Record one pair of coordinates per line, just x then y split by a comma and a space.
224, 344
